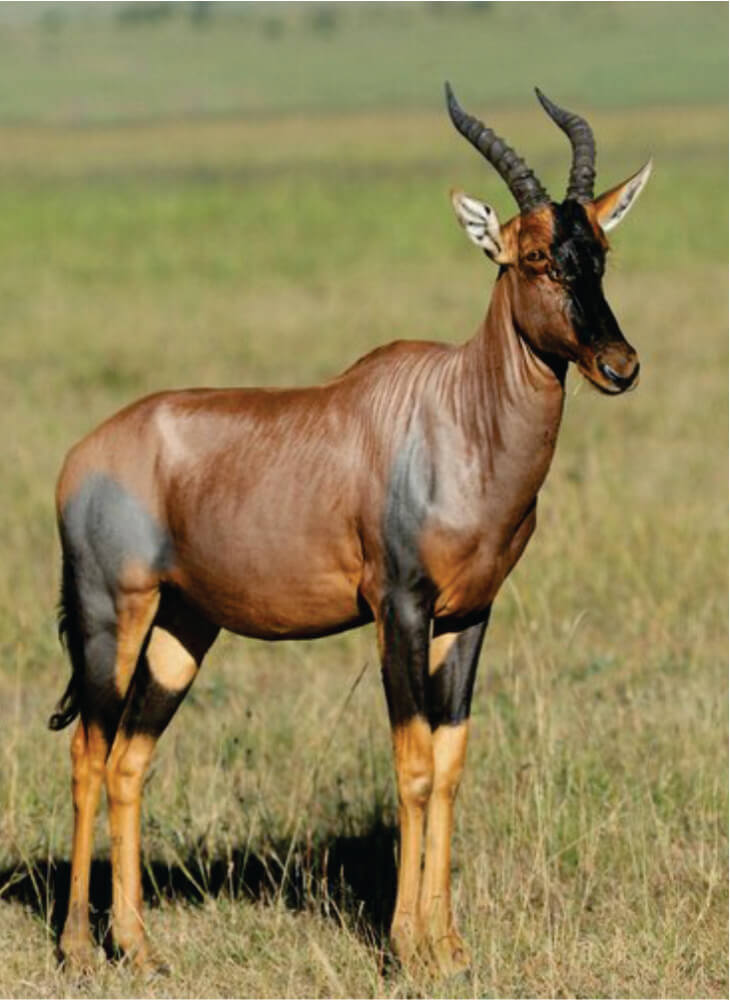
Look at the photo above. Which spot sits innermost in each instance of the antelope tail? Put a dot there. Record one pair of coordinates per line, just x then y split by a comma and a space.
70, 634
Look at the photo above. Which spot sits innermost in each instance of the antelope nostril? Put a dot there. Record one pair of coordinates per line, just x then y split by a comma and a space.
609, 372
621, 381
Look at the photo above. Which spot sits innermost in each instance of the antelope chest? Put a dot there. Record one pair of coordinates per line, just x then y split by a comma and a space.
459, 522
468, 567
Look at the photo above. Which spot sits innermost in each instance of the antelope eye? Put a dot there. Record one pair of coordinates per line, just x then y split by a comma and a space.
535, 255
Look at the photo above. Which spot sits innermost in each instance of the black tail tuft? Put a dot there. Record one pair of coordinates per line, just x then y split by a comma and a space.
69, 632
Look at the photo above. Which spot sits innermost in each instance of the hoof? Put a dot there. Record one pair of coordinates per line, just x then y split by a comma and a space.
407, 944
451, 955
413, 953
144, 959
154, 966
78, 956
421, 953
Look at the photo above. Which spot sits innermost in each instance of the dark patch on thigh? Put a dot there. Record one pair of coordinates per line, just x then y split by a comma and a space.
104, 528
151, 705
100, 702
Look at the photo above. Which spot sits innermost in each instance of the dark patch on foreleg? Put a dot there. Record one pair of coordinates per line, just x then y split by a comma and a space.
452, 674
452, 669
403, 629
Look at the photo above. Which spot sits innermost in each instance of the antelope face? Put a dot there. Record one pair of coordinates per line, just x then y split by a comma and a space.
559, 256
553, 255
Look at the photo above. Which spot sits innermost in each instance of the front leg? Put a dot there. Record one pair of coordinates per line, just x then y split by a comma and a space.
403, 634
453, 662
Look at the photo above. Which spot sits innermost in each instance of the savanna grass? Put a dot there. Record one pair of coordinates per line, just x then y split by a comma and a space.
591, 839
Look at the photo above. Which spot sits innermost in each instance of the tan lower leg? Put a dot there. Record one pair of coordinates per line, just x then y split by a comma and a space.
126, 768
89, 749
173, 668
449, 748
414, 769
88, 754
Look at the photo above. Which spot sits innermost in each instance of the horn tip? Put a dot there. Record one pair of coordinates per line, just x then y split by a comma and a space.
543, 99
452, 105
647, 169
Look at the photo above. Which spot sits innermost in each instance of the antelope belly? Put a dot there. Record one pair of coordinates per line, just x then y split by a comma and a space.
274, 585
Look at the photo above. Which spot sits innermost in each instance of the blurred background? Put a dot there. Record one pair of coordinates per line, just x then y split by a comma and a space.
204, 193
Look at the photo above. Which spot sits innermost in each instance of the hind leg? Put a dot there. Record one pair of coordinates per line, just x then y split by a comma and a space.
178, 642
110, 653
88, 754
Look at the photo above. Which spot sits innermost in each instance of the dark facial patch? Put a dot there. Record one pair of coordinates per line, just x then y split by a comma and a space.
577, 253
579, 263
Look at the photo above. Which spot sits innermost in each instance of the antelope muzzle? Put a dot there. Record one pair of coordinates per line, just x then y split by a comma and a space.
613, 369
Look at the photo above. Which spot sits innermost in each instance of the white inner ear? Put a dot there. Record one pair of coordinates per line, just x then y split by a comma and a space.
480, 222
630, 192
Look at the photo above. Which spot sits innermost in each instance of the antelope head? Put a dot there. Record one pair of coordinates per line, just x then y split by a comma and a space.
553, 254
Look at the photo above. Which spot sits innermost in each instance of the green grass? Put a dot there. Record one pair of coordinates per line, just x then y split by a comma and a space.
90, 62
591, 839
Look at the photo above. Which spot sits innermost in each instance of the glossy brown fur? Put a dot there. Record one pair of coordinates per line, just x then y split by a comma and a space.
402, 491
274, 499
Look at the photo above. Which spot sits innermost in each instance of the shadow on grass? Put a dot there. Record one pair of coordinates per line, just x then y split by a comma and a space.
352, 877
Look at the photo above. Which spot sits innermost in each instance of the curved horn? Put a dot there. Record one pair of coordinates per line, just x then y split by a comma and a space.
577, 129
525, 187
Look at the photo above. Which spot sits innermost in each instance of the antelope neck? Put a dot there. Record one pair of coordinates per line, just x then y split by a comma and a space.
512, 388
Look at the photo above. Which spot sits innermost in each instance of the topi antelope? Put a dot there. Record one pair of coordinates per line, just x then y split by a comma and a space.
401, 492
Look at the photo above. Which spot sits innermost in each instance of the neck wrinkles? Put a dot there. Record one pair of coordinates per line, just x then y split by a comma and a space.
509, 389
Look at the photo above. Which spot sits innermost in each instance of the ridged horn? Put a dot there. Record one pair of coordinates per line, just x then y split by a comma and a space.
526, 189
577, 129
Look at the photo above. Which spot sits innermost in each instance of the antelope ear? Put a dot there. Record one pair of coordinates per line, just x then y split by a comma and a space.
612, 206
482, 226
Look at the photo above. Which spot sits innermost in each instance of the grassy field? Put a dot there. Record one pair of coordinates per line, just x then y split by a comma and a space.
100, 62
176, 240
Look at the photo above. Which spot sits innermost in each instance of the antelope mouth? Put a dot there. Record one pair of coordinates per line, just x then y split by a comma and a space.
608, 381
